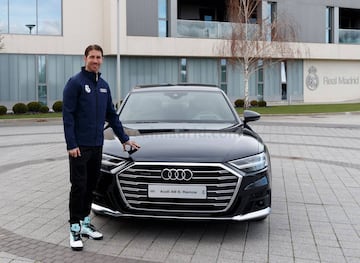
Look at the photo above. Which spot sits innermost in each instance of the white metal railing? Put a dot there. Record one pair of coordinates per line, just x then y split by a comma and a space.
207, 29
349, 36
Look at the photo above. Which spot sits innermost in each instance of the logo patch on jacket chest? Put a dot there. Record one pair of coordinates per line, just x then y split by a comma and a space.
102, 90
87, 89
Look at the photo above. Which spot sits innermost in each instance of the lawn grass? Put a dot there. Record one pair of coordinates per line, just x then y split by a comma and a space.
305, 108
31, 116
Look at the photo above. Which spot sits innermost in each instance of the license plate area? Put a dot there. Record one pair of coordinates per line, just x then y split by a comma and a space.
177, 191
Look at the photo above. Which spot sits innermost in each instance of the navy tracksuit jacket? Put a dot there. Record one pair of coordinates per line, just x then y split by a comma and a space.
87, 104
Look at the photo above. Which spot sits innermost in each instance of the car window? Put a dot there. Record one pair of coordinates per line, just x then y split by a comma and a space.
177, 106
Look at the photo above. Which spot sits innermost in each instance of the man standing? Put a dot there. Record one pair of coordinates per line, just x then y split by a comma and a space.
87, 104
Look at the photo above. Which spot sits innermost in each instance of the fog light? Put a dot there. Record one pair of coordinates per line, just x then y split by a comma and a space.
260, 203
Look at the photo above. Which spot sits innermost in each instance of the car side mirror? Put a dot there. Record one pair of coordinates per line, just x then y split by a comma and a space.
250, 116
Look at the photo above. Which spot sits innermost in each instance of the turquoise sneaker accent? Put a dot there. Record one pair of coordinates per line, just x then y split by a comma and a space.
75, 237
88, 230
75, 227
86, 221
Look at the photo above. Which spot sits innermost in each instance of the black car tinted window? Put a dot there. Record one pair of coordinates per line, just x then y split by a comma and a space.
177, 106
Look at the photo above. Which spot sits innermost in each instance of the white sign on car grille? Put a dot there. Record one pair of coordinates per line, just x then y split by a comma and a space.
177, 191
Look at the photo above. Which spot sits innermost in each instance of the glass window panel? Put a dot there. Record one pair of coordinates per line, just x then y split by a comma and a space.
260, 95
49, 17
162, 28
42, 69
183, 76
223, 70
223, 74
42, 94
224, 87
261, 75
22, 13
273, 11
183, 71
4, 16
162, 9
328, 36
327, 17
162, 17
283, 72
329, 22
183, 63
208, 18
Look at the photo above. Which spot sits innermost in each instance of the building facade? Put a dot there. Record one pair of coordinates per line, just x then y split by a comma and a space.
175, 41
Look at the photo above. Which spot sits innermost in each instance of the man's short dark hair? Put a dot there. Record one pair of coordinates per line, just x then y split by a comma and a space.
93, 47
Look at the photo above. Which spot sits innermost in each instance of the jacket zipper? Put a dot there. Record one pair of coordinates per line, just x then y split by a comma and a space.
96, 107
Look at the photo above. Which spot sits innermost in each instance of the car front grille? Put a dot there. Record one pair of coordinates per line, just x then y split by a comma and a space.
220, 182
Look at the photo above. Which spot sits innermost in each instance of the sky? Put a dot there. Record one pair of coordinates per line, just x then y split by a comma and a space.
45, 14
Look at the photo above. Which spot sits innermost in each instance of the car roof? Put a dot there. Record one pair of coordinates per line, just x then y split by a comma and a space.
170, 87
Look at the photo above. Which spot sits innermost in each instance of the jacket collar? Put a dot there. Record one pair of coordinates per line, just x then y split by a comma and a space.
91, 75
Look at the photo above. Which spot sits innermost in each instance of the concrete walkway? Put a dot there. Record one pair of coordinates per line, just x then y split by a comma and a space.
315, 213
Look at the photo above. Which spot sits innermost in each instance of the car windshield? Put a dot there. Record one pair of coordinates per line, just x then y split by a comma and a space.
177, 106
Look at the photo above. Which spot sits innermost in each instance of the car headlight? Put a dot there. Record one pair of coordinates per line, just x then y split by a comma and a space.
112, 164
252, 163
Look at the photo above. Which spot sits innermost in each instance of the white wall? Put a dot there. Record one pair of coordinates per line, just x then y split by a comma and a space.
86, 23
331, 81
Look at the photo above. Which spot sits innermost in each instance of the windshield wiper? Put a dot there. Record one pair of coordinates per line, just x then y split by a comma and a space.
232, 127
144, 122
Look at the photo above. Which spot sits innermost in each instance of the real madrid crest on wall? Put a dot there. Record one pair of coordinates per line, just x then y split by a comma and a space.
312, 80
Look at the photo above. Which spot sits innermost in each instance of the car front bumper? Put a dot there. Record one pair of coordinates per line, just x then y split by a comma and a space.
98, 209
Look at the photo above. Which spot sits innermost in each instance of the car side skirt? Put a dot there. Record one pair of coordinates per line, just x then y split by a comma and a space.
250, 216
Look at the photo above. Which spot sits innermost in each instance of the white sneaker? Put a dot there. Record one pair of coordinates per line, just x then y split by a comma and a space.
88, 230
75, 237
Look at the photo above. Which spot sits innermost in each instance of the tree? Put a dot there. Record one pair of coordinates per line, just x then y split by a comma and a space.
256, 40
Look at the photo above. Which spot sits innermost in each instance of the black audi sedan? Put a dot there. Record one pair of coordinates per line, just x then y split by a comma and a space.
198, 159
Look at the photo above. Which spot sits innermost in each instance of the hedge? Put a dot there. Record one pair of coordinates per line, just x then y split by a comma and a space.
20, 108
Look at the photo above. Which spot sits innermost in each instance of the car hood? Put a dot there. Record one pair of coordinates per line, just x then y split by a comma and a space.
186, 146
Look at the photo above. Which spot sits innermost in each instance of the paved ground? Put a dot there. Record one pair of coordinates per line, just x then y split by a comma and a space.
315, 216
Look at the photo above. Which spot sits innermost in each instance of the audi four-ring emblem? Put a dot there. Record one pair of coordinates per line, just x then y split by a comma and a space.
176, 174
